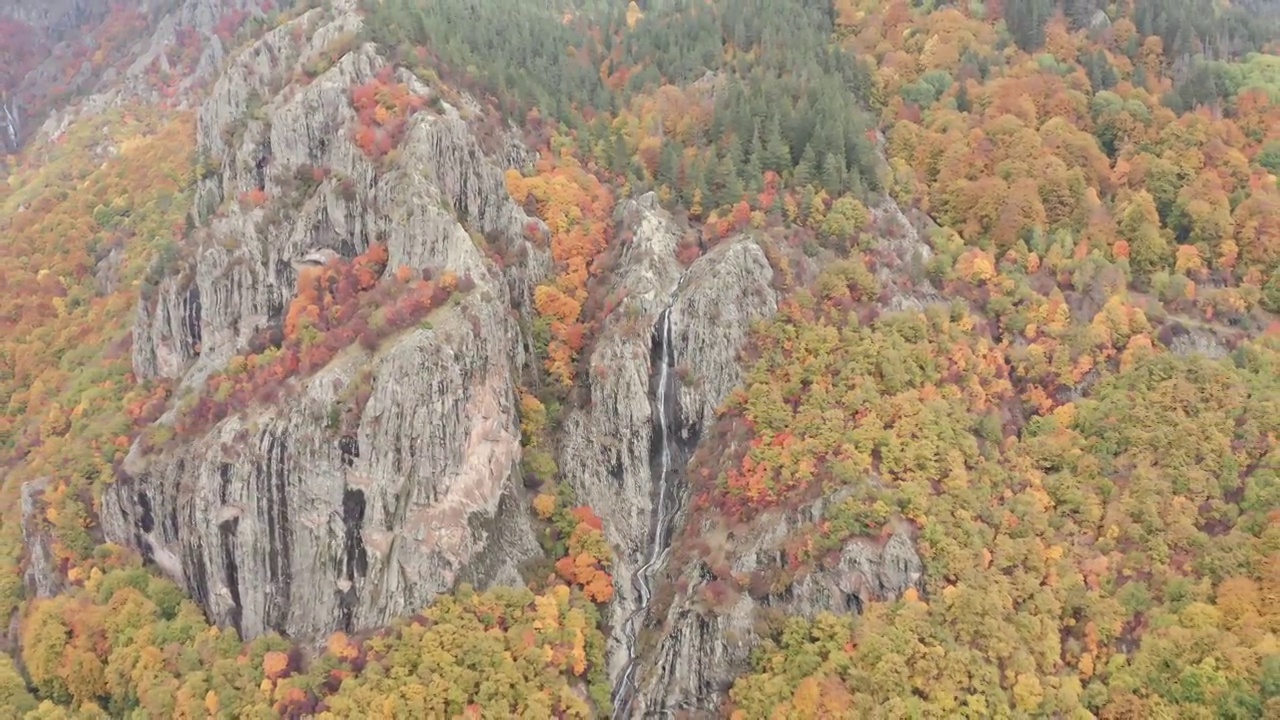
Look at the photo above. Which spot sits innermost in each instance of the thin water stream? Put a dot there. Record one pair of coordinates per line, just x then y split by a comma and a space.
11, 125
665, 507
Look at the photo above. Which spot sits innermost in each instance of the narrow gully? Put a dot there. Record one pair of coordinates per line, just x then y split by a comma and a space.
665, 508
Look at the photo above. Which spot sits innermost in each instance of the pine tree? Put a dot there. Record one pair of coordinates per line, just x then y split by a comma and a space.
695, 204
752, 170
807, 196
619, 156
833, 173
1026, 20
694, 185
732, 191
800, 128
669, 165
806, 171
1139, 77
725, 182
777, 155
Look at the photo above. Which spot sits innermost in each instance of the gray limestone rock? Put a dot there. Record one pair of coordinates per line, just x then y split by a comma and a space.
280, 523
607, 448
724, 293
692, 653
42, 576
274, 519
696, 652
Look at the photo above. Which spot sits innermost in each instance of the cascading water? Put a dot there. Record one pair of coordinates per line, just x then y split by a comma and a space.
11, 124
664, 509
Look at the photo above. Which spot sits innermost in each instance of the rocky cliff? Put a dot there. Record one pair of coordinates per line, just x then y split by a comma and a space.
611, 451
55, 29
695, 647
700, 632
273, 520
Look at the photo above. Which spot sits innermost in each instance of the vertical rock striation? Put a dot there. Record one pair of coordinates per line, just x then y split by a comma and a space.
693, 652
611, 451
276, 519
697, 651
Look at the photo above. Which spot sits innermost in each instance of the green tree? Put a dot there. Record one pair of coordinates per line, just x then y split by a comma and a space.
846, 217
806, 171
14, 696
777, 155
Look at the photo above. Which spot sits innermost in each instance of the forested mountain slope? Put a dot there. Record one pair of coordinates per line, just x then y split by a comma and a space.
577, 358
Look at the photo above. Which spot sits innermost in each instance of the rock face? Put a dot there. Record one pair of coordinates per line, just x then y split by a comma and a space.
608, 448
280, 524
42, 578
697, 652
721, 296
55, 22
690, 652
275, 519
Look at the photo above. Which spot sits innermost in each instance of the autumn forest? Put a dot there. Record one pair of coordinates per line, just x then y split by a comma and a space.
1066, 391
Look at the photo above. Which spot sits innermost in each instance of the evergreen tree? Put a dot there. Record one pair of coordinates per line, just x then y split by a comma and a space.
1026, 20
800, 129
619, 155
807, 196
833, 173
777, 154
726, 184
1139, 76
753, 169
695, 183
777, 208
669, 165
806, 171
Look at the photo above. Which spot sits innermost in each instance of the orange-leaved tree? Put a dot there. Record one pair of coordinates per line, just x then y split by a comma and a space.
589, 558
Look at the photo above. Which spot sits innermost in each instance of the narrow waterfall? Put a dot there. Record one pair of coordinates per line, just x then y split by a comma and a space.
11, 124
665, 504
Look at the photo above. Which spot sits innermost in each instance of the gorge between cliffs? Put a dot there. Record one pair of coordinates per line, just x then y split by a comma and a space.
667, 471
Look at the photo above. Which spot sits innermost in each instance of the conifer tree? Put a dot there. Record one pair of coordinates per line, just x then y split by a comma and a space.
806, 171
777, 154
833, 173
752, 169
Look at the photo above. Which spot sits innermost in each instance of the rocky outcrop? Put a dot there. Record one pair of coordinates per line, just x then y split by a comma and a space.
1195, 339
166, 334
41, 577
53, 18
56, 22
902, 256
254, 136
279, 523
277, 518
608, 448
722, 295
700, 634
262, 134
697, 649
